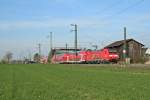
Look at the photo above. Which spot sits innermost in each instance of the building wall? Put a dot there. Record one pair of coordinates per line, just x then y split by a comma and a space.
134, 51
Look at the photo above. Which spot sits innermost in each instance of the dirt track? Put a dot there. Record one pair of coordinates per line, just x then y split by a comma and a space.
147, 62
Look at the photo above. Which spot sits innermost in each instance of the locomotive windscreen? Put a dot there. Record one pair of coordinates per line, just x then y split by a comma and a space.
112, 51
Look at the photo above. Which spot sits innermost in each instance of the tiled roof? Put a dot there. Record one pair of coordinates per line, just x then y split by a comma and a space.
120, 43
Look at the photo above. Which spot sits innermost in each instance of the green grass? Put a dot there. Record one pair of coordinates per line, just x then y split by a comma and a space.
73, 82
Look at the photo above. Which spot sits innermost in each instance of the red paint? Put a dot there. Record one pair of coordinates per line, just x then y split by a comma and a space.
86, 56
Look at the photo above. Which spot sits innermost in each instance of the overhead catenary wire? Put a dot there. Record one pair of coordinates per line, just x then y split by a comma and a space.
133, 5
110, 6
121, 11
130, 7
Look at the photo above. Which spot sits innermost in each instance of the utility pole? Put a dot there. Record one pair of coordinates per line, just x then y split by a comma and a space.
51, 40
29, 54
39, 47
50, 36
125, 44
66, 47
76, 39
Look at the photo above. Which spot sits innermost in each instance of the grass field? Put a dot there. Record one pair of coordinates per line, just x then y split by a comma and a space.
73, 82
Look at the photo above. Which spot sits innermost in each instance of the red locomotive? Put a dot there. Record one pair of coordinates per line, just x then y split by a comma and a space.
83, 56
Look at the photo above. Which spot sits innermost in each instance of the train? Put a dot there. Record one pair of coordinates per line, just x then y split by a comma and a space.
79, 56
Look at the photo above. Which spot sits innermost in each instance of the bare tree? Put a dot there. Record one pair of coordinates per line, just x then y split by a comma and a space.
8, 56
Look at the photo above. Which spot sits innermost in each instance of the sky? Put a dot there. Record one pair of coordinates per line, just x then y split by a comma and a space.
25, 23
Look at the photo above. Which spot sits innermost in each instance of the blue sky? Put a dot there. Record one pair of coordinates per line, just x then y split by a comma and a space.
25, 23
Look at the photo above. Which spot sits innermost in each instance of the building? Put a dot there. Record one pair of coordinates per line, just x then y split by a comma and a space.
148, 51
135, 49
148, 55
